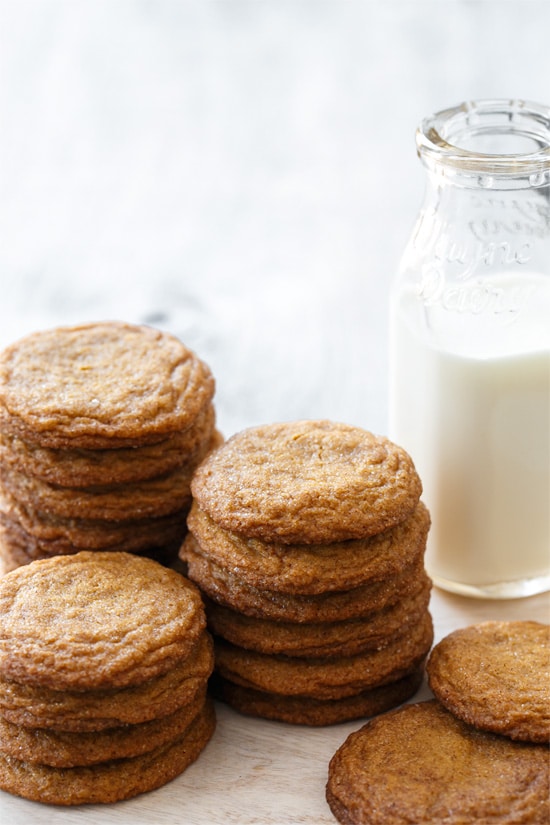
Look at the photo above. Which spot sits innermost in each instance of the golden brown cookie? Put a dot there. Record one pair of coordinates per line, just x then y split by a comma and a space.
100, 386
300, 710
307, 482
419, 764
226, 589
122, 502
95, 620
85, 468
496, 676
93, 710
325, 678
109, 781
318, 639
35, 535
63, 749
310, 569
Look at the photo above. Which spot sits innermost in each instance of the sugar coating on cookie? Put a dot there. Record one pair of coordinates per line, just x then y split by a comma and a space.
100, 385
95, 619
496, 676
420, 764
307, 482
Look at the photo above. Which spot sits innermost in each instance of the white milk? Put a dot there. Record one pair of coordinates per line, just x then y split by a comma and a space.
478, 429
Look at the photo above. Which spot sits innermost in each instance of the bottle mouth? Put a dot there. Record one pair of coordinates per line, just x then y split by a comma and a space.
501, 138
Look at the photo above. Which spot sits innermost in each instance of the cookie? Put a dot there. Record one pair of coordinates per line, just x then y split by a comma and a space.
152, 498
325, 678
79, 711
100, 386
495, 676
319, 639
68, 624
85, 468
307, 482
35, 535
420, 764
224, 588
63, 749
111, 781
310, 569
300, 710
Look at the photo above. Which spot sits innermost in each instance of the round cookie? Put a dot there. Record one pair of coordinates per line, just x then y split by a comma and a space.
300, 710
95, 620
318, 639
109, 781
85, 468
226, 589
325, 678
307, 482
420, 764
67, 749
93, 710
311, 569
496, 677
37, 535
100, 386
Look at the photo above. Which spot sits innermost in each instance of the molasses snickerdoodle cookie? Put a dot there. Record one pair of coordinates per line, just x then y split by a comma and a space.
101, 385
310, 569
307, 482
326, 677
420, 764
496, 677
95, 620
303, 710
110, 781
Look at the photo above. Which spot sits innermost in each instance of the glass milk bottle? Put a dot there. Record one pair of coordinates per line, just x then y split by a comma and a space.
470, 347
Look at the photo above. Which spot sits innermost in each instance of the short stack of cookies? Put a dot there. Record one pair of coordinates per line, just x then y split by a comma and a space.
307, 539
104, 663
101, 428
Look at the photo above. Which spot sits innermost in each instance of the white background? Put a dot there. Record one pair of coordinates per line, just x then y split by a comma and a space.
240, 172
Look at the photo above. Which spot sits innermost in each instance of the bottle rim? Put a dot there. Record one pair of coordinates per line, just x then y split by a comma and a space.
448, 139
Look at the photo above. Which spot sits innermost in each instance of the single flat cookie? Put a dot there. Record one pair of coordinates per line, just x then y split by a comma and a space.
37, 535
318, 639
226, 589
419, 764
300, 710
496, 676
109, 781
100, 386
95, 620
152, 498
307, 482
79, 711
325, 678
62, 749
310, 569
85, 468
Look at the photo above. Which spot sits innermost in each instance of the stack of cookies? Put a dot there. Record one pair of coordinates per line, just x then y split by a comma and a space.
101, 427
104, 662
307, 540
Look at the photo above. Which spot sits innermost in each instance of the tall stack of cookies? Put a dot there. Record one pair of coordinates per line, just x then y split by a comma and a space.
101, 428
307, 540
104, 663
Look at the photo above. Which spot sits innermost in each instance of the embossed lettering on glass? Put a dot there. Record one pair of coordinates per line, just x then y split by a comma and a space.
470, 347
